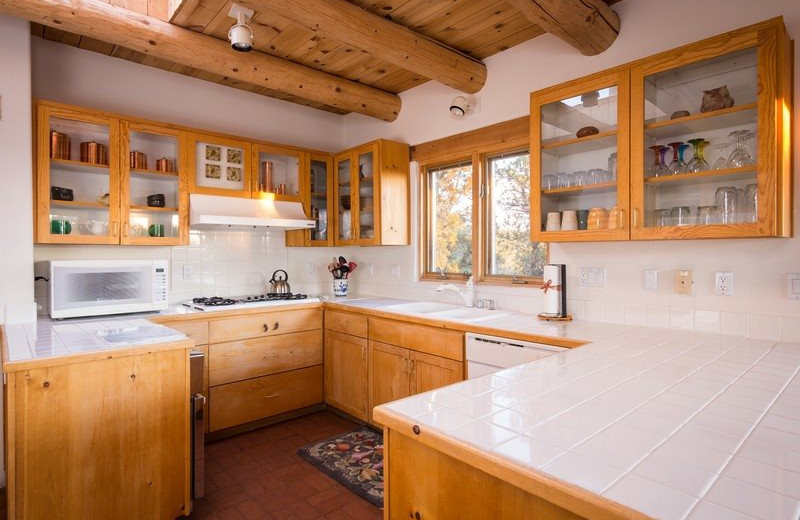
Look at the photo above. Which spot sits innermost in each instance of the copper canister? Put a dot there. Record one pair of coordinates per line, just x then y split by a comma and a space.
138, 160
164, 165
102, 154
94, 153
265, 179
59, 145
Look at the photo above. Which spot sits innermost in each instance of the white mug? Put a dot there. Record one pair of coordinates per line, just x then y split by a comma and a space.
553, 221
569, 221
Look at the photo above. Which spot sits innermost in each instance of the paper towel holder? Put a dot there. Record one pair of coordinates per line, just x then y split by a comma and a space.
556, 281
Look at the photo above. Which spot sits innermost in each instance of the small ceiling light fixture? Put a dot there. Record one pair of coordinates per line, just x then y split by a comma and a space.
240, 35
462, 106
590, 99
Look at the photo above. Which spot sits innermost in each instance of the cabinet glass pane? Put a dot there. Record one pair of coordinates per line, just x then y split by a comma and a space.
79, 178
700, 132
578, 161
319, 199
366, 196
345, 215
219, 166
279, 174
153, 189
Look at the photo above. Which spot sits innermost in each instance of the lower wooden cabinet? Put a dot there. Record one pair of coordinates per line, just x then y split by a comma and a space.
241, 402
430, 372
389, 378
346, 373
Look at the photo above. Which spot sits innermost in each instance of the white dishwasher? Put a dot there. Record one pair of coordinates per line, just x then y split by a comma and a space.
488, 354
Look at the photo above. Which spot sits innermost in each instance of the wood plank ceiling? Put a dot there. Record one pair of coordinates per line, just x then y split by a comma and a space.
479, 28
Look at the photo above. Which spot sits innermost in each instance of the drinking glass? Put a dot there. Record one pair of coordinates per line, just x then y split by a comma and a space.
751, 203
740, 156
657, 169
580, 178
722, 162
698, 163
606, 176
682, 166
595, 176
563, 179
549, 182
726, 199
680, 215
663, 217
612, 165
707, 215
675, 164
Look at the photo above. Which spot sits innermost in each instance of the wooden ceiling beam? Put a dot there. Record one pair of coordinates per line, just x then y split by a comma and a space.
382, 38
590, 26
159, 39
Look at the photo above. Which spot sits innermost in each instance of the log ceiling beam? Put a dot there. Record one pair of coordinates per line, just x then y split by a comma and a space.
590, 26
384, 39
160, 39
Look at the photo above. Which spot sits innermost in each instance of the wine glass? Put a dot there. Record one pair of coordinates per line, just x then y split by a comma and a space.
698, 163
675, 164
658, 169
740, 156
682, 166
722, 162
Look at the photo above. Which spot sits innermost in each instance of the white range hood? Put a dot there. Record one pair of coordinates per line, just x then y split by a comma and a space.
212, 211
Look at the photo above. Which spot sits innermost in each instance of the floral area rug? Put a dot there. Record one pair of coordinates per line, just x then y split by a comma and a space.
355, 459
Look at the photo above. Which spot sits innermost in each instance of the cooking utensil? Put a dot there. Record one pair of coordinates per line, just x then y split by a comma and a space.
352, 266
279, 285
342, 261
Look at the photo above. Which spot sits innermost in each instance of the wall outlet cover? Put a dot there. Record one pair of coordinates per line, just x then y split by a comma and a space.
188, 272
651, 280
684, 281
371, 270
395, 271
793, 280
723, 283
592, 276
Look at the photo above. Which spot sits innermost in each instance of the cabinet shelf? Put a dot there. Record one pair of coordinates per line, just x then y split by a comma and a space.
79, 204
78, 166
580, 145
602, 187
703, 122
702, 177
320, 195
154, 174
154, 209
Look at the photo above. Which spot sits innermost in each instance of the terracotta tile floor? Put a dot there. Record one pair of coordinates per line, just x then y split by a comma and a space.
258, 475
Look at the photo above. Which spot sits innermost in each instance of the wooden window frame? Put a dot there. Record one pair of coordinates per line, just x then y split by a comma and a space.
477, 146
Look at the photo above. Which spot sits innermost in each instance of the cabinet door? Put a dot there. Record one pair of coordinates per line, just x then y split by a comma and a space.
219, 165
708, 151
579, 160
430, 372
77, 159
389, 378
280, 173
318, 203
153, 162
346, 194
346, 373
366, 182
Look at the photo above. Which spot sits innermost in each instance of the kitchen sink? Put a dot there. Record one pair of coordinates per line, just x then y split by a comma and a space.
469, 314
421, 307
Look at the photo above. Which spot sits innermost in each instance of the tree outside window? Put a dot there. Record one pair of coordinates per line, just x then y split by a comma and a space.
450, 213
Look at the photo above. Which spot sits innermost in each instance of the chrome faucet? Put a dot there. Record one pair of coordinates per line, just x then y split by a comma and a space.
467, 294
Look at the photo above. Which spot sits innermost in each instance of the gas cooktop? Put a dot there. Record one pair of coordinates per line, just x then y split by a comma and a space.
209, 302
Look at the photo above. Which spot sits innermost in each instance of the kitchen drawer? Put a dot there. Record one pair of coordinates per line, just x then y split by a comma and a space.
254, 357
245, 401
430, 340
197, 330
264, 324
353, 324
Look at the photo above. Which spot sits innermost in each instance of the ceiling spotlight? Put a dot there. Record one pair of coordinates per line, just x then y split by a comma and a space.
240, 35
465, 106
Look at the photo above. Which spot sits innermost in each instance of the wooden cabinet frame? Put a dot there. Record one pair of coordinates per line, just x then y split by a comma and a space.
247, 170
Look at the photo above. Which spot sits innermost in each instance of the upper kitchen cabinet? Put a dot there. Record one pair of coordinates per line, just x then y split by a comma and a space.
77, 176
579, 151
154, 177
317, 203
281, 173
371, 195
219, 165
710, 138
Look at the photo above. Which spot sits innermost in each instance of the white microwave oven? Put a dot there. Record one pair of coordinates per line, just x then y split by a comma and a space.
100, 287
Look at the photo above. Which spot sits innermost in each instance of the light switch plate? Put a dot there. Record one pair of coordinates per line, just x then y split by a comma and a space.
592, 276
395, 271
371, 270
188, 272
793, 286
723, 283
683, 281
651, 279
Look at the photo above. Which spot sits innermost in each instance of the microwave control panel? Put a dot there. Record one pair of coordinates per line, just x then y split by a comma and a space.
160, 283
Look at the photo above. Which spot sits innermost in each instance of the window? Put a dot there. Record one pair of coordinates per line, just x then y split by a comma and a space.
449, 218
509, 251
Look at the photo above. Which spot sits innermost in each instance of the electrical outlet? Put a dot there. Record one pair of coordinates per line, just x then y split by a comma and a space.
651, 279
395, 271
592, 276
723, 283
188, 272
793, 280
371, 270
684, 281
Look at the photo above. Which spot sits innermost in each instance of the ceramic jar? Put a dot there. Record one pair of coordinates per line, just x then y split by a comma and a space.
615, 218
598, 219
553, 221
569, 221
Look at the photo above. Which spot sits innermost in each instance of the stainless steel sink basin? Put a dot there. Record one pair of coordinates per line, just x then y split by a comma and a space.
420, 307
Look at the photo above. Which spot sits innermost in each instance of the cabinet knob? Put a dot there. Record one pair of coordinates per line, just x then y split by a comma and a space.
266, 327
275, 327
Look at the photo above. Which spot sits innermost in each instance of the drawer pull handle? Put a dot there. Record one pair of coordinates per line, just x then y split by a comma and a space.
405, 365
270, 396
266, 327
275, 327
343, 325
268, 356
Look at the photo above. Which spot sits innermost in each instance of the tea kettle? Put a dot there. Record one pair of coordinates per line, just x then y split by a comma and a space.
279, 285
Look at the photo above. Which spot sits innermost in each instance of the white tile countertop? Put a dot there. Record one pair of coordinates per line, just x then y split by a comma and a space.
47, 338
673, 424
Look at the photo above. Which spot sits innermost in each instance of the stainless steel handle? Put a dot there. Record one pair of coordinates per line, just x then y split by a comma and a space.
201, 397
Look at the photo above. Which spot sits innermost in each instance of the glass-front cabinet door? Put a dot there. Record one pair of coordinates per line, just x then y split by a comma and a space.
345, 186
706, 142
579, 166
78, 179
280, 173
154, 207
367, 185
321, 191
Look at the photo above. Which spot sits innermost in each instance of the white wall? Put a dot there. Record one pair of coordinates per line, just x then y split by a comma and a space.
759, 306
